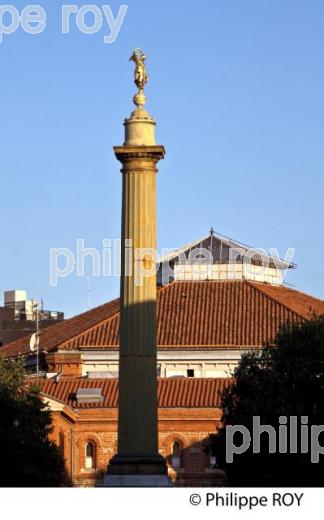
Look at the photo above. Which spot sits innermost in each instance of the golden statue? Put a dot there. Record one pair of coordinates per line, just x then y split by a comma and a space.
139, 127
140, 74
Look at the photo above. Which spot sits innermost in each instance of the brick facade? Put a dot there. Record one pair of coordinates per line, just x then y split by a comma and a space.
189, 427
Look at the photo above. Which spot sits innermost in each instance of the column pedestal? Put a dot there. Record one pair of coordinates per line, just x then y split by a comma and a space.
136, 471
135, 481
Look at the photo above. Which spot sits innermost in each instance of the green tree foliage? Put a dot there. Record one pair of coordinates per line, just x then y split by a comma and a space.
283, 379
27, 457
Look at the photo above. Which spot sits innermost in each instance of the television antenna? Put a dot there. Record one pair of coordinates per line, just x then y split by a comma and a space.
34, 339
89, 290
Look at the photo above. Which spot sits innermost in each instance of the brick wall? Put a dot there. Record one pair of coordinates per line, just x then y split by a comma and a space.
98, 426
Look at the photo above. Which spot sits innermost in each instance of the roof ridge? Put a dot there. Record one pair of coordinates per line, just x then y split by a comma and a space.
256, 287
180, 249
100, 322
63, 323
304, 293
229, 242
104, 320
190, 315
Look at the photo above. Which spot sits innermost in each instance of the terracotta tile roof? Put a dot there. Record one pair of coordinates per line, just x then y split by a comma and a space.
55, 335
172, 393
195, 314
300, 303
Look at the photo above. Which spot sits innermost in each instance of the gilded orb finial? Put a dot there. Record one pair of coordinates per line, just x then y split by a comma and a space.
140, 76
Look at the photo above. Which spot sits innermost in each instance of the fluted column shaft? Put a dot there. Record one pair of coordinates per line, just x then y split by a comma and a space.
137, 421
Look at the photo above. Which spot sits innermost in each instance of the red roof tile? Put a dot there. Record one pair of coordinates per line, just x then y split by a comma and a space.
172, 393
208, 314
55, 335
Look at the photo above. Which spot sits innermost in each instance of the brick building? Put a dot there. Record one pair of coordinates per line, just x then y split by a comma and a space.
85, 426
203, 328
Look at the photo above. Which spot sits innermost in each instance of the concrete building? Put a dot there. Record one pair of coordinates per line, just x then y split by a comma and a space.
18, 317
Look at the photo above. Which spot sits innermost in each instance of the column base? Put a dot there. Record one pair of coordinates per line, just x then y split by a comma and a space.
135, 481
122, 464
136, 471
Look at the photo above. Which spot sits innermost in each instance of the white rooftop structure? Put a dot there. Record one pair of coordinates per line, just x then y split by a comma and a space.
89, 395
17, 300
216, 257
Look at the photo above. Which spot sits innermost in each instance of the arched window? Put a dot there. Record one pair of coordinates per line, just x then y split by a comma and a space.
176, 455
212, 461
89, 455
62, 443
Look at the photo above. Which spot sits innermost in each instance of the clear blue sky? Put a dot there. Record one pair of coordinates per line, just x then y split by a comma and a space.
237, 89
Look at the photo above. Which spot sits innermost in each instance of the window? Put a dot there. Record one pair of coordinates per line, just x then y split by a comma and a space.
190, 372
212, 461
61, 442
176, 455
89, 455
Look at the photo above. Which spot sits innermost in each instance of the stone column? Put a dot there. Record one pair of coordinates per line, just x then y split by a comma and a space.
138, 461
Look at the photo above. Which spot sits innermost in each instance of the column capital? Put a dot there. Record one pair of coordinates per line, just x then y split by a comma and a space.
125, 153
